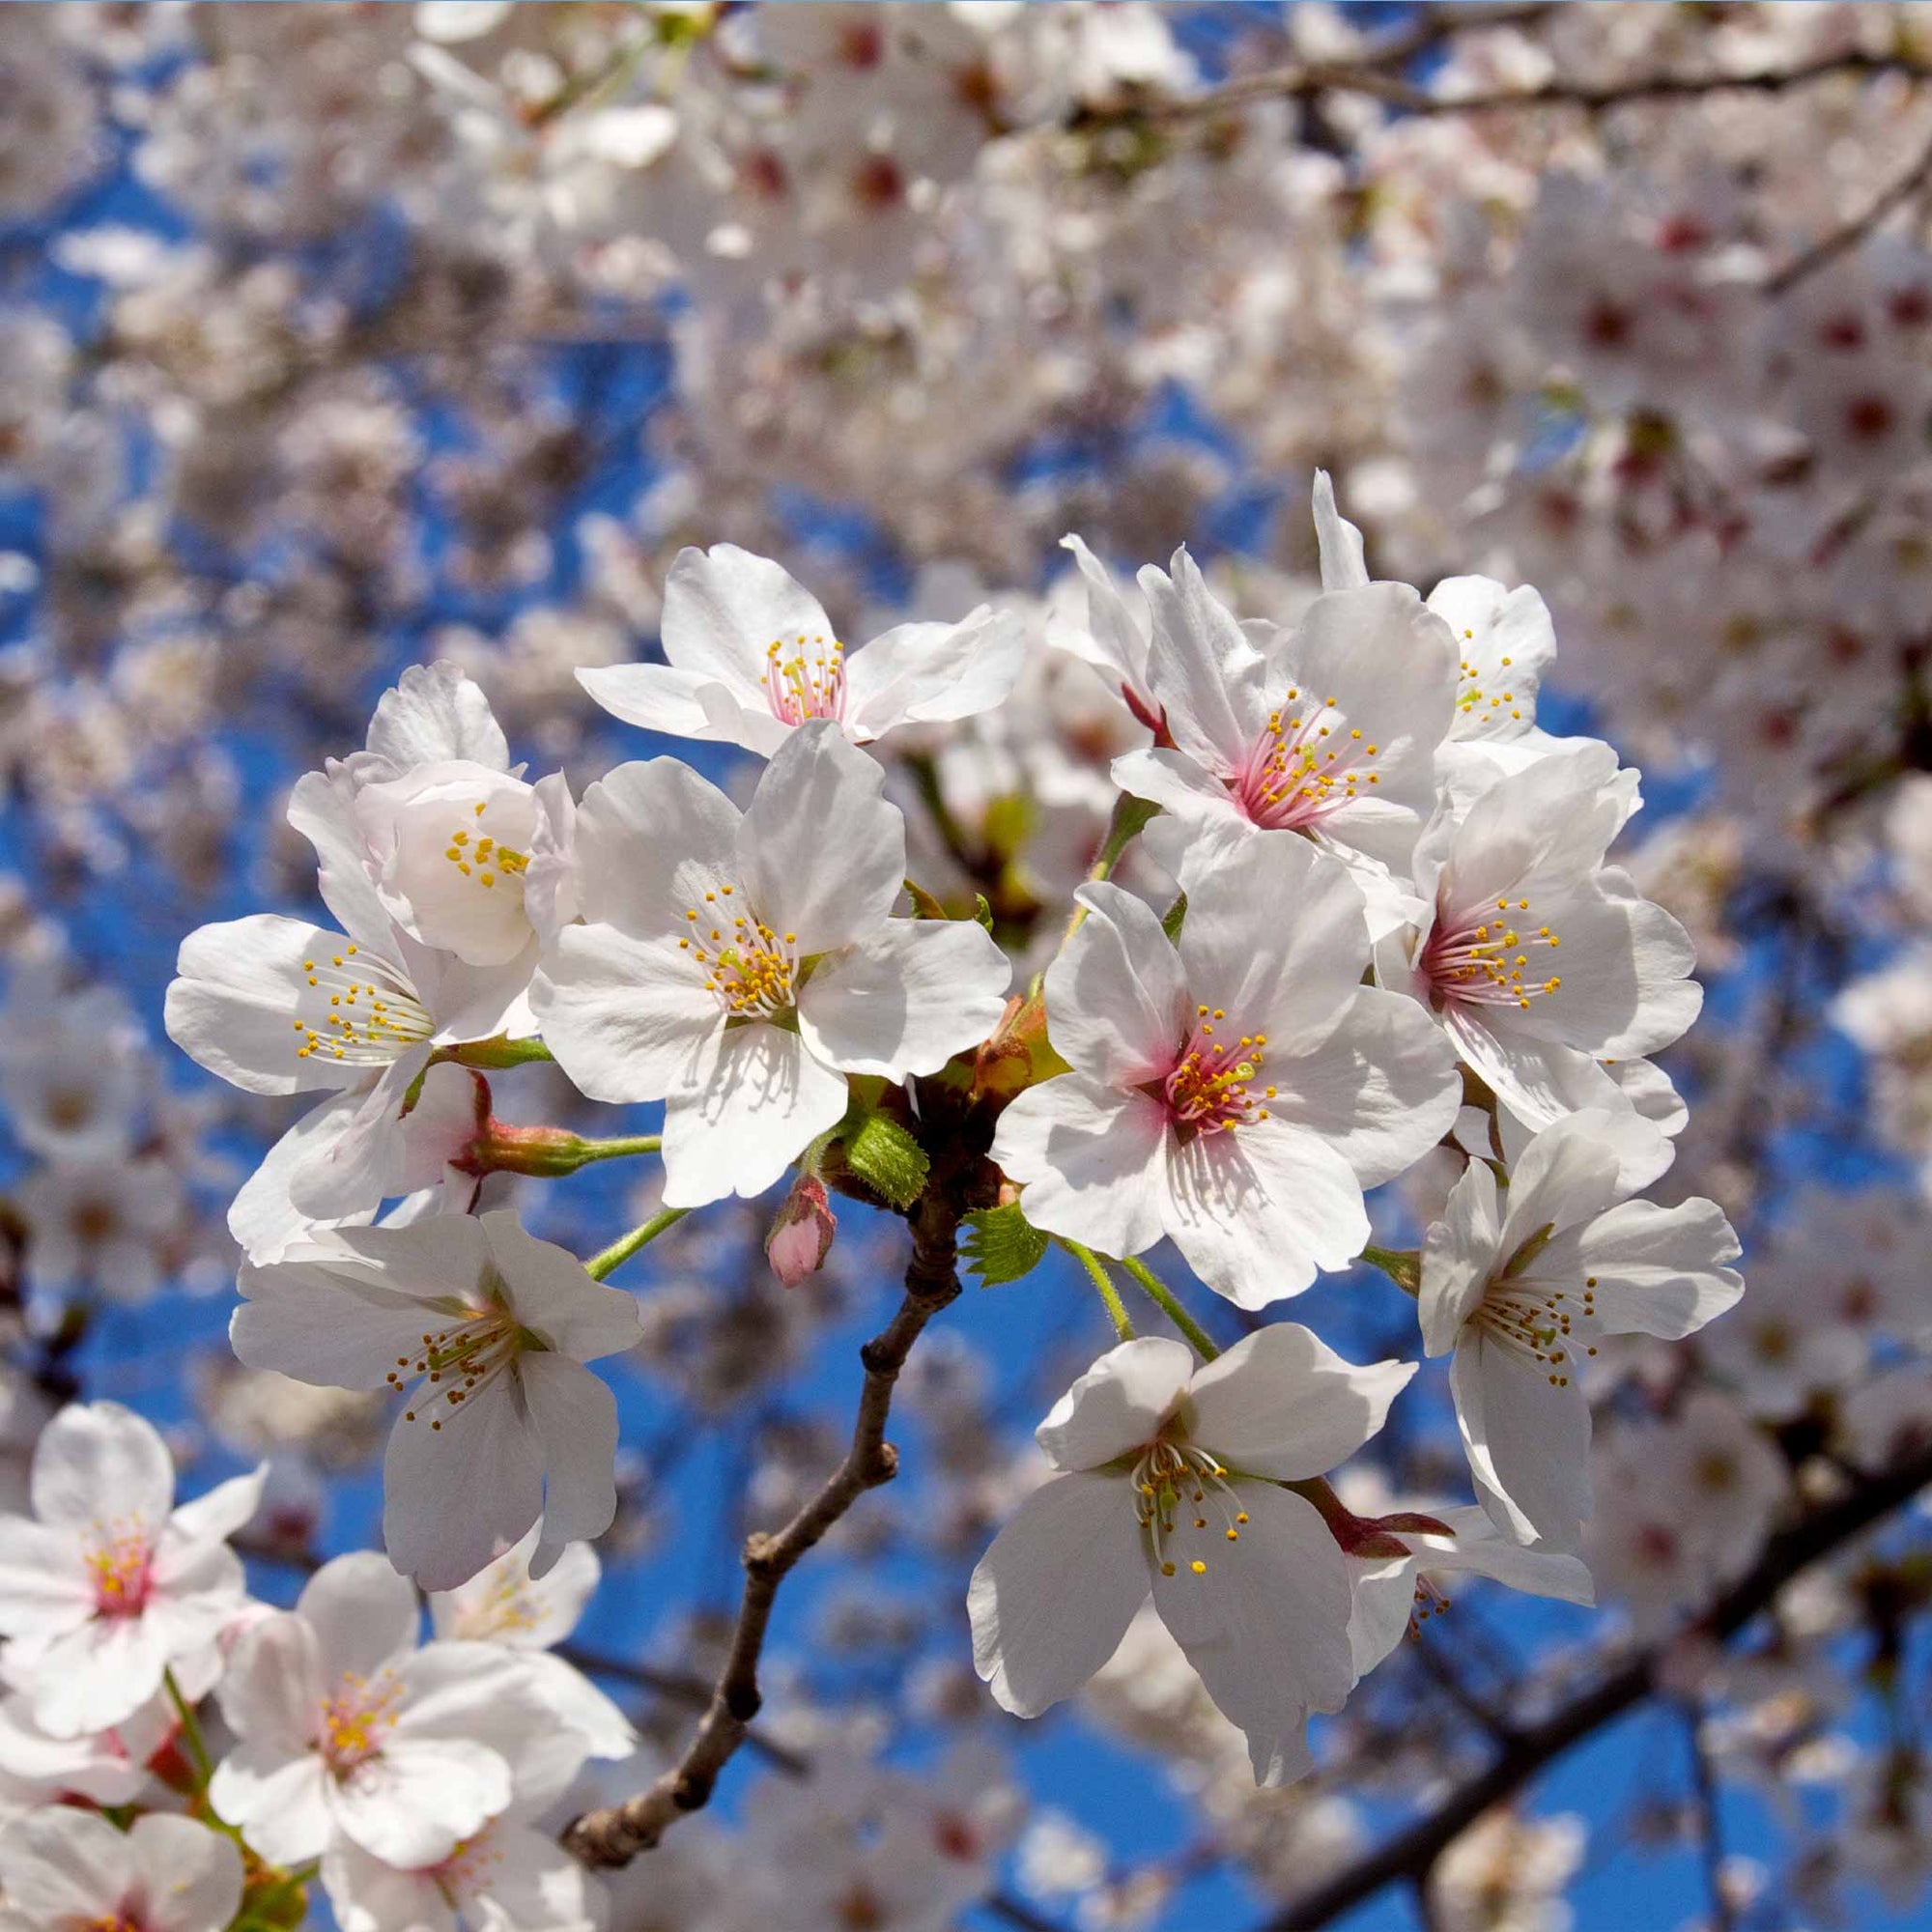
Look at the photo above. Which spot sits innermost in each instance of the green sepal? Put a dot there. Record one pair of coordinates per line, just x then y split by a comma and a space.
887, 1159
1171, 919
1001, 1244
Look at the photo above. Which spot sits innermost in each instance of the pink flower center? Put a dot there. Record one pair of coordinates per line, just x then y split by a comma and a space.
1210, 1087
119, 1559
466, 1871
1309, 762
807, 682
1481, 958
357, 1719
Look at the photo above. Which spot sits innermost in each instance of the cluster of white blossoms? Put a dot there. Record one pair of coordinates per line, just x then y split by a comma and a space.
1253, 917
1382, 923
411, 1776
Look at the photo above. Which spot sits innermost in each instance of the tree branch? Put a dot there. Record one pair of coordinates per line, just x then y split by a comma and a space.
1710, 1822
615, 1834
1303, 80
1829, 247
1411, 1854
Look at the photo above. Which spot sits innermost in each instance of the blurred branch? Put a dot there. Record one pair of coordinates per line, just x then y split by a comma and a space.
1916, 179
1409, 1854
615, 1834
1710, 1825
1372, 75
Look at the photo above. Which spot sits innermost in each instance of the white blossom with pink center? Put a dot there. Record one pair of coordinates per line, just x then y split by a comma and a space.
1330, 730
66, 1870
347, 1729
109, 1585
750, 656
1538, 959
1234, 1091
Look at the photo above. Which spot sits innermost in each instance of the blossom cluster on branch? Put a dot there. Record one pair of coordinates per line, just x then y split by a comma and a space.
1109, 904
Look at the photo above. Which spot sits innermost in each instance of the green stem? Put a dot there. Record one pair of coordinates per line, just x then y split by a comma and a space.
196, 1745
1164, 1299
1110, 1295
1402, 1265
619, 1148
1130, 818
622, 1249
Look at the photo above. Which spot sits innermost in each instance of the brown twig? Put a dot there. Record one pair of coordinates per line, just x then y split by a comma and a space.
1826, 249
1304, 79
1709, 1824
615, 1834
1411, 1854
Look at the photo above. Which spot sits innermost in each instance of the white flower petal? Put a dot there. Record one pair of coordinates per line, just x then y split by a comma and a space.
1259, 1209
1052, 1598
64, 1867
928, 673
627, 1019
1660, 1270
1527, 1440
1282, 1403
574, 1415
1297, 988
458, 1485
1116, 996
652, 838
192, 1876
1459, 1255
1119, 1404
821, 850
1380, 1091
435, 712
756, 1102
363, 1615
242, 986
98, 1460
724, 608
1266, 1624
1092, 1160
905, 997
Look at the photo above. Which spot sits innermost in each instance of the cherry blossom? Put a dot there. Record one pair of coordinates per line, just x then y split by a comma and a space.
1506, 885
347, 1729
750, 656
1330, 729
1172, 1481
1234, 1091
65, 1871
1522, 1286
739, 966
483, 1332
276, 1005
109, 1582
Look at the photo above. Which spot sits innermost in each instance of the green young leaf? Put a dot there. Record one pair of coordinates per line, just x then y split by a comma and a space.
1001, 1244
887, 1159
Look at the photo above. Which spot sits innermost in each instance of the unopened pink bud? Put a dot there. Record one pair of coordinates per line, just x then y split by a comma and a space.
801, 1237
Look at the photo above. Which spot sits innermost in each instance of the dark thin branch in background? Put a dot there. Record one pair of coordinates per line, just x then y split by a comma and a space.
1916, 179
1710, 1825
1372, 76
1412, 1854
